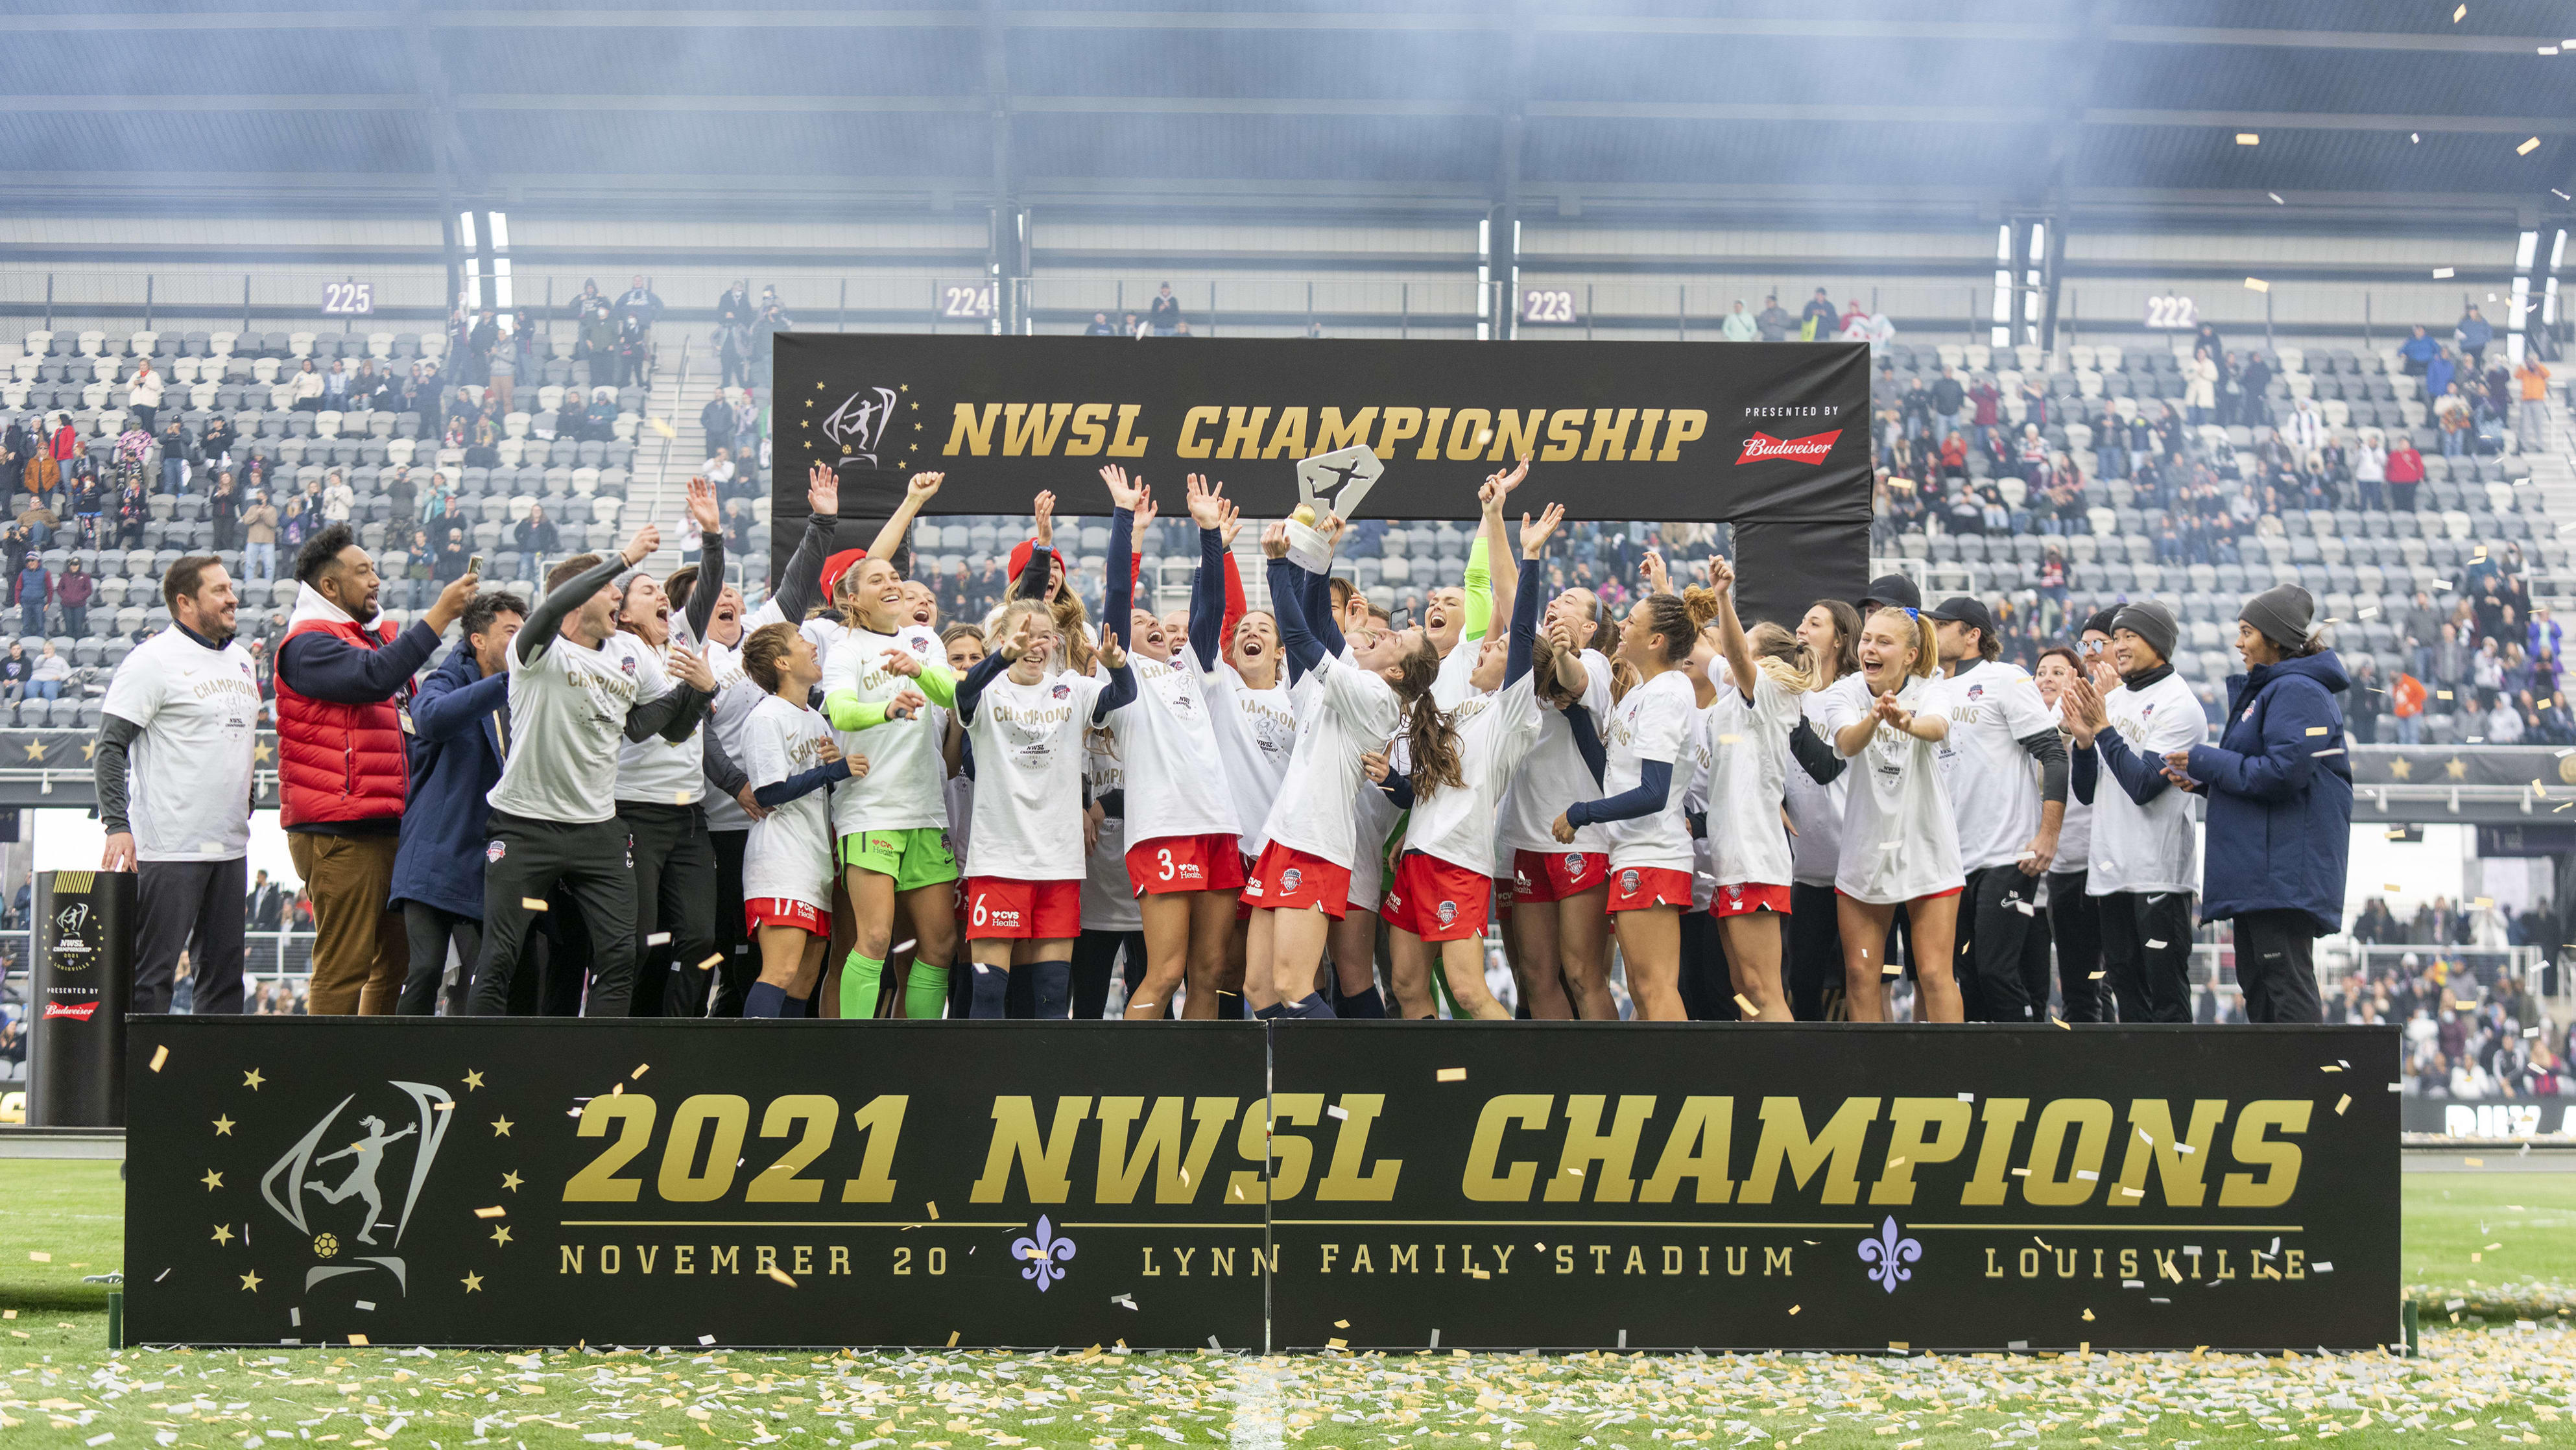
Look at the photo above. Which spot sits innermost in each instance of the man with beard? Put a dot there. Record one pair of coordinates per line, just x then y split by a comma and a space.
344, 682
173, 773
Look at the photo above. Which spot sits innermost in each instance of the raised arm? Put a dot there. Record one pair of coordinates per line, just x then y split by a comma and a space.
801, 587
915, 494
1296, 641
1520, 594
711, 559
543, 626
970, 690
1489, 589
1730, 629
1208, 586
1118, 589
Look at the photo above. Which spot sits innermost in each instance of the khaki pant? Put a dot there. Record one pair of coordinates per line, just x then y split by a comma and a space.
360, 948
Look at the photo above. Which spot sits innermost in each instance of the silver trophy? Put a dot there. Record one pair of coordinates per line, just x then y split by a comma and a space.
1329, 483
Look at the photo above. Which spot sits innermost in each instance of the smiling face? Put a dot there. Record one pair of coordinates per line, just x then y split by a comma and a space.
1382, 651
1445, 616
1147, 637
921, 606
1638, 638
1817, 631
875, 591
1493, 656
2131, 652
725, 625
965, 652
1887, 652
1578, 606
646, 611
2053, 675
1256, 641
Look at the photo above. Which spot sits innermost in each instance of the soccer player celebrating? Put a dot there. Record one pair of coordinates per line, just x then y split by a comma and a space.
2145, 869
573, 697
1900, 845
1650, 842
1025, 724
1760, 696
792, 762
1560, 893
173, 774
1817, 794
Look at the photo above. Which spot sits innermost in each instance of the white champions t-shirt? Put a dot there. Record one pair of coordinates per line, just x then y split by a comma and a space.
567, 716
1817, 810
1495, 733
1256, 732
1899, 839
1108, 897
187, 781
2153, 847
1029, 750
1553, 776
1748, 779
1994, 784
1345, 712
1652, 723
2075, 835
653, 771
1168, 747
901, 791
789, 853
736, 697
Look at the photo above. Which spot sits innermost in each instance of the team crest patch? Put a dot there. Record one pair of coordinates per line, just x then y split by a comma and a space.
1289, 878
1976, 692
1628, 880
627, 663
1448, 912
1062, 691
494, 852
1574, 863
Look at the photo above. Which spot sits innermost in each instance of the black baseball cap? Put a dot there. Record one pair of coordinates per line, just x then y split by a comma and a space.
1964, 609
1893, 589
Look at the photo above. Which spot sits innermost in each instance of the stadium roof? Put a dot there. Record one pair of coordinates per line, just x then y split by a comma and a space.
2362, 108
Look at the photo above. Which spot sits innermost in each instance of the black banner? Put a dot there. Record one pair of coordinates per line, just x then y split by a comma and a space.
550, 1181
1671, 432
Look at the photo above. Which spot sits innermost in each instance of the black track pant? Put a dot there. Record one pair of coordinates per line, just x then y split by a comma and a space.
1814, 953
2275, 966
675, 896
2146, 949
430, 930
741, 966
591, 862
2004, 946
1094, 952
1707, 984
2075, 920
197, 907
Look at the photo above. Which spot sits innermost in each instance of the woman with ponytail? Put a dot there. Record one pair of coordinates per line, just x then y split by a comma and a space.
1817, 790
1759, 700
1351, 706
1442, 892
1650, 843
1900, 845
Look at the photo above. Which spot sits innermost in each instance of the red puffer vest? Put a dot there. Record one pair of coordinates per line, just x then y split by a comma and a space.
339, 762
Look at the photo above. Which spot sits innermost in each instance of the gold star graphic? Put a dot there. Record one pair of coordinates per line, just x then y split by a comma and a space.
250, 1281
223, 1233
501, 1235
252, 1079
223, 1127
511, 1181
818, 387
500, 1127
35, 750
89, 750
2402, 768
905, 388
212, 1180
261, 752
2458, 768
473, 1080
473, 1283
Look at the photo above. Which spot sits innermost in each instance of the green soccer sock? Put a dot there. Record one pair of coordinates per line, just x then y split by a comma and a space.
925, 991
860, 977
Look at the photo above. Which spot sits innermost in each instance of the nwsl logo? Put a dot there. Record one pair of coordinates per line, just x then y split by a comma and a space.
1810, 449
860, 422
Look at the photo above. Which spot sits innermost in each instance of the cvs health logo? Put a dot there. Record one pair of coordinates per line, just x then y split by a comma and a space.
1809, 450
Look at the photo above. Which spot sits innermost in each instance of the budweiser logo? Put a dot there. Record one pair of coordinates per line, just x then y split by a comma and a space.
80, 1013
1810, 449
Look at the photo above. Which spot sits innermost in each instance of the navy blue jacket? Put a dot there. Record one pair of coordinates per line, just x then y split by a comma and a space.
2280, 814
455, 762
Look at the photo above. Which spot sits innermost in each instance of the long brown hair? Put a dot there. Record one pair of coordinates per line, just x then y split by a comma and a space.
1429, 737
1846, 635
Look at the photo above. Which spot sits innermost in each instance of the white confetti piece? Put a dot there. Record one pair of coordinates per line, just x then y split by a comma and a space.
1337, 1111
2088, 1175
1967, 1097
705, 1339
2257, 284
657, 939
2155, 946
2444, 274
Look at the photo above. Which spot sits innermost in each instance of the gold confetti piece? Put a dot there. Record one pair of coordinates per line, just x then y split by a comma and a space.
2088, 1316
934, 1214
712, 959
641, 1068
2021, 1173
1338, 1111
2060, 1021
780, 1275
2097, 976
495, 1211
2475, 1162
446, 1106
2088, 1175
39, 1256
1745, 1005
1900, 1344
357, 1339
663, 427
160, 1055
2527, 147
1896, 1162
530, 903
2249, 138
2317, 730
1891, 970
2132, 1193
2257, 284
2328, 1067
1450, 1074
952, 1339
1337, 1344
1341, 1324
1794, 1308
2460, 14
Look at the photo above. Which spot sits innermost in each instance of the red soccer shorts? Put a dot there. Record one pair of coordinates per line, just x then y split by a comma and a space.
999, 910
762, 911
1542, 876
1287, 879
1634, 888
1185, 863
1749, 896
1436, 900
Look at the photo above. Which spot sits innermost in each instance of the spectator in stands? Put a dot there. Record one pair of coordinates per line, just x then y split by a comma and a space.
2531, 422
733, 355
2451, 417
2473, 333
536, 533
337, 498
1132, 326
296, 525
1989, 403
640, 301
719, 471
33, 592
15, 670
73, 592
2200, 386
258, 534
51, 672
1164, 312
716, 421
501, 374
453, 555
2405, 472
1852, 325
1818, 320
2369, 465
1740, 325
2419, 350
174, 458
304, 389
1100, 326
734, 308
143, 398
745, 441
634, 349
335, 387
2438, 374
1774, 320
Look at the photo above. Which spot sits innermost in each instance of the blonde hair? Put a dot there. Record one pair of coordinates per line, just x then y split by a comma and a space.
1912, 624
1782, 656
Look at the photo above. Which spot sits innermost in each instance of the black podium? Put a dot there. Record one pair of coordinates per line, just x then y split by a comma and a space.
84, 977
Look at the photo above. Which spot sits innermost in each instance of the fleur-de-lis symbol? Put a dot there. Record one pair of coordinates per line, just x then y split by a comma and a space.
1041, 1256
1887, 1255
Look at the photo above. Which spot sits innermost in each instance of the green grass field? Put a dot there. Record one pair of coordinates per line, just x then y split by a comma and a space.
2498, 1243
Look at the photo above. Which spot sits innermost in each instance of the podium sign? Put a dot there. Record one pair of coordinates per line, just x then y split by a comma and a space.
84, 976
